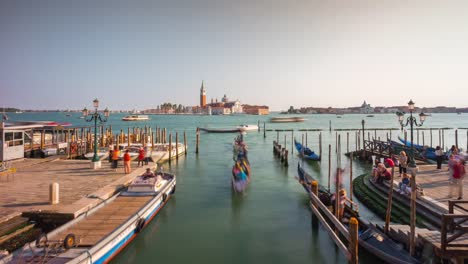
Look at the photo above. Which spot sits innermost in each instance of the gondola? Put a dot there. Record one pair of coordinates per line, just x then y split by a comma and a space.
306, 152
371, 239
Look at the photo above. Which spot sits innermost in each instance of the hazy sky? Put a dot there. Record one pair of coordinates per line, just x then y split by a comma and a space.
138, 54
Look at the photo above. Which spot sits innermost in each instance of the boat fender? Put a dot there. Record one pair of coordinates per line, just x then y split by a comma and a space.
41, 240
140, 225
69, 241
164, 197
173, 190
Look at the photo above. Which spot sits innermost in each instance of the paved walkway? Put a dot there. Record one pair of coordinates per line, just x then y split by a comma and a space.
435, 183
80, 186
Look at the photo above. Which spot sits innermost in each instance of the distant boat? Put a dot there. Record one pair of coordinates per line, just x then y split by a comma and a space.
370, 115
19, 112
287, 119
220, 130
135, 118
247, 127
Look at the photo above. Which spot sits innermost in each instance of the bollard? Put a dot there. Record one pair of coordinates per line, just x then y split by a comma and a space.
54, 193
353, 240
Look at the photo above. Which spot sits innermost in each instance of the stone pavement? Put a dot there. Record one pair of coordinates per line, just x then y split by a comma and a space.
79, 186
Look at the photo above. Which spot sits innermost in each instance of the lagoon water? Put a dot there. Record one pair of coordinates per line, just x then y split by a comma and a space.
205, 222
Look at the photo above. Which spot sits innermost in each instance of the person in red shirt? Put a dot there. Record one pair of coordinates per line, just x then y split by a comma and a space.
126, 159
141, 156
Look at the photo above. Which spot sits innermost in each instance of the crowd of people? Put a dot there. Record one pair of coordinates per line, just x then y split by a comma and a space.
144, 157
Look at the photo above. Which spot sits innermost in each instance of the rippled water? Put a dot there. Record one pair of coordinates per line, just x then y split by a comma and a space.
205, 222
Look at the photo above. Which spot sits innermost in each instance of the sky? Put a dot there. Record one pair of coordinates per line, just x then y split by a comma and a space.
139, 54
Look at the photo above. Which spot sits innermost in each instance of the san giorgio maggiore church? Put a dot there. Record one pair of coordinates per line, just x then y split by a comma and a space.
225, 107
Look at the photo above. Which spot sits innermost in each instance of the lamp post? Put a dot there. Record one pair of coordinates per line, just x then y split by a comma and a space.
411, 121
89, 117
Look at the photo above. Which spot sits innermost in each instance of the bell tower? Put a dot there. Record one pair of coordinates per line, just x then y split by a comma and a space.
202, 95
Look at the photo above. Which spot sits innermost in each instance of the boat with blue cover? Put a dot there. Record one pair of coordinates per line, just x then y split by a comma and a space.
306, 152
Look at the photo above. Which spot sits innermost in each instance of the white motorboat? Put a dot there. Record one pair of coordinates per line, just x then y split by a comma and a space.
247, 127
135, 118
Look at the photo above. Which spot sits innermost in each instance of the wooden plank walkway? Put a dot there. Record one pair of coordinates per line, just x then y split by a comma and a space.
96, 226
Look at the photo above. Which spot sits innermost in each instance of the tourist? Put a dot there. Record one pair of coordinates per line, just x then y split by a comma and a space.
451, 162
396, 161
111, 151
403, 162
454, 150
115, 158
404, 184
383, 173
141, 156
439, 157
127, 159
458, 173
148, 174
147, 155
343, 198
375, 170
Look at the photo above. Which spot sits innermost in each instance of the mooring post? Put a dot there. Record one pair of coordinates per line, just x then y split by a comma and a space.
456, 138
422, 134
198, 140
185, 144
329, 126
286, 163
306, 139
170, 147
430, 131
351, 176
258, 126
329, 165
152, 139
363, 138
353, 241
264, 130
390, 134
375, 133
177, 145
443, 138
440, 139
292, 142
347, 142
389, 202
277, 136
320, 144
54, 193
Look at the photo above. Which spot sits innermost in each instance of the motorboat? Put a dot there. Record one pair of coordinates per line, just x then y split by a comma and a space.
135, 118
286, 119
247, 127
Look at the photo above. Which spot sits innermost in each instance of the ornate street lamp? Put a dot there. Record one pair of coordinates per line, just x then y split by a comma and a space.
95, 117
411, 120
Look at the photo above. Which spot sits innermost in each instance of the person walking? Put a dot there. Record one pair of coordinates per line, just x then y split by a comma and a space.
439, 157
127, 161
115, 158
458, 173
141, 156
147, 155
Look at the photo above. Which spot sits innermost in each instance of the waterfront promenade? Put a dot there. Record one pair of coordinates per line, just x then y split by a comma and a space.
80, 187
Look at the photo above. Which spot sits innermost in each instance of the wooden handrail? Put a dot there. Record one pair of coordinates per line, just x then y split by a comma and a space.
452, 229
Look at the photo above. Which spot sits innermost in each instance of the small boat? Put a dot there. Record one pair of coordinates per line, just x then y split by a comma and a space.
116, 222
306, 152
371, 239
286, 119
135, 118
370, 115
220, 130
241, 168
247, 127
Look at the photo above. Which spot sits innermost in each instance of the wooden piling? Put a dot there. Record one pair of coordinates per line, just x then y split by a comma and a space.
443, 139
258, 126
329, 125
42, 138
264, 130
389, 202
347, 142
185, 144
286, 163
177, 145
292, 142
306, 139
152, 140
440, 139
353, 245
351, 177
406, 136
170, 147
336, 142
277, 136
456, 138
320, 144
375, 133
422, 133
329, 165
198, 140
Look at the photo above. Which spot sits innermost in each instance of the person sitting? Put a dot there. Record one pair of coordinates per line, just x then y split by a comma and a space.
383, 173
148, 174
404, 184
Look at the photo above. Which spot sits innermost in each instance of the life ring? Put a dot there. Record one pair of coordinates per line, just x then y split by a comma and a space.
74, 148
69, 241
41, 240
164, 197
140, 224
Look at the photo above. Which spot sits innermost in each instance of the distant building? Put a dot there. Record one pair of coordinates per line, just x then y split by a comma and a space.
256, 109
202, 95
366, 108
